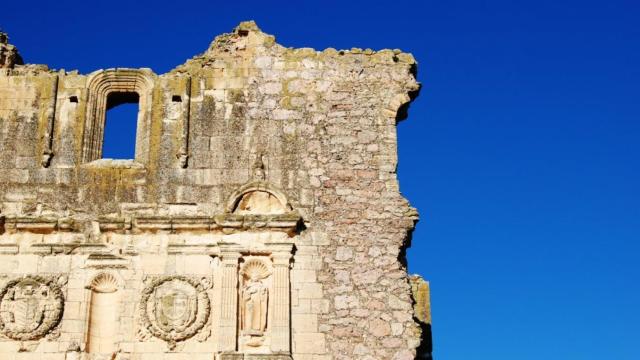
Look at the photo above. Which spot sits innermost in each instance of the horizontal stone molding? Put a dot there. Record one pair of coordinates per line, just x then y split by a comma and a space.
9, 249
226, 222
101, 261
240, 356
70, 248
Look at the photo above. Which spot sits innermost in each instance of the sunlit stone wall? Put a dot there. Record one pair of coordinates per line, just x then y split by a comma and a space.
260, 218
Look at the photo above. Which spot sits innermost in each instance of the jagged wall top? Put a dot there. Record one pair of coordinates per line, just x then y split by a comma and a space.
9, 56
245, 41
248, 40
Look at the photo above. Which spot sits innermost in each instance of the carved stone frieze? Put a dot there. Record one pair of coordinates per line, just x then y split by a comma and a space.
174, 308
31, 307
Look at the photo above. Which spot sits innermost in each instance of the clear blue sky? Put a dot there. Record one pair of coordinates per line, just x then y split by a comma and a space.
521, 152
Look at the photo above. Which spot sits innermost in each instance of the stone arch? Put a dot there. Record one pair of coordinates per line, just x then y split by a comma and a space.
104, 309
259, 198
122, 81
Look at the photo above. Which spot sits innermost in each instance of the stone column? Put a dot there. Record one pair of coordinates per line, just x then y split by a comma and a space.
281, 317
228, 301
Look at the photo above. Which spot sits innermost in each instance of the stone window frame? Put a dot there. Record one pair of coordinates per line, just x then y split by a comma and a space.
120, 80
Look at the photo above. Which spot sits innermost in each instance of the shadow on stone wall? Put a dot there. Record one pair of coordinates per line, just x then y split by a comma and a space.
422, 315
425, 349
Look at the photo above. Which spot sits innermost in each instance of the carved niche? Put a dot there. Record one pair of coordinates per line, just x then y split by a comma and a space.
31, 307
175, 308
103, 314
254, 301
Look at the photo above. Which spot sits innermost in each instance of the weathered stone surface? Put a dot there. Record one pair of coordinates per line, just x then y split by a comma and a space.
9, 55
421, 295
422, 311
260, 217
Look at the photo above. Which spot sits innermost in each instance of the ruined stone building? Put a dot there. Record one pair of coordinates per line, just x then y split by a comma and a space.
261, 217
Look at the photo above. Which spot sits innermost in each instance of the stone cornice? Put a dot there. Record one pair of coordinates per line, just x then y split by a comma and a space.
226, 223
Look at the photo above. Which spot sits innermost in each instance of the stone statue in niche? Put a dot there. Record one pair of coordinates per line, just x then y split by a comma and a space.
254, 306
30, 307
254, 300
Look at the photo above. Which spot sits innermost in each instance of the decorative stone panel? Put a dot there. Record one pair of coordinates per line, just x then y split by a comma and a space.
31, 307
174, 308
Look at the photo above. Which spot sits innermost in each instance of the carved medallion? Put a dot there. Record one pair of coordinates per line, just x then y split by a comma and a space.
30, 307
175, 308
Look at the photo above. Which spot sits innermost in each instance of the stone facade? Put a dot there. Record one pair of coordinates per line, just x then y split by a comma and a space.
260, 218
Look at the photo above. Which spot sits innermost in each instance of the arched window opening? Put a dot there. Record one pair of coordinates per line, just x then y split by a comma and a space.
121, 125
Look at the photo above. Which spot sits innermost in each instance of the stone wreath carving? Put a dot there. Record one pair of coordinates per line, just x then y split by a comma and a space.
174, 308
30, 307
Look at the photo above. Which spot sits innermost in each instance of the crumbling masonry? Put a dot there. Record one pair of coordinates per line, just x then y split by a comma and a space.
260, 218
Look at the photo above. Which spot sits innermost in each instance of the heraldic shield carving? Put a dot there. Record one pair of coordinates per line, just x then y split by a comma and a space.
175, 308
30, 307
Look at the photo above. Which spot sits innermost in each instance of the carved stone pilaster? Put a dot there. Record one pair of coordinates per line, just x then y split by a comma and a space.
228, 299
281, 322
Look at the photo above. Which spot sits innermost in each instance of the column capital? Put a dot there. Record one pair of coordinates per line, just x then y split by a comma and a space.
281, 259
281, 253
229, 253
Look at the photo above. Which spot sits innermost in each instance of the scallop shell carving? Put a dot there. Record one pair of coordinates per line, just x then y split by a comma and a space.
104, 283
255, 268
